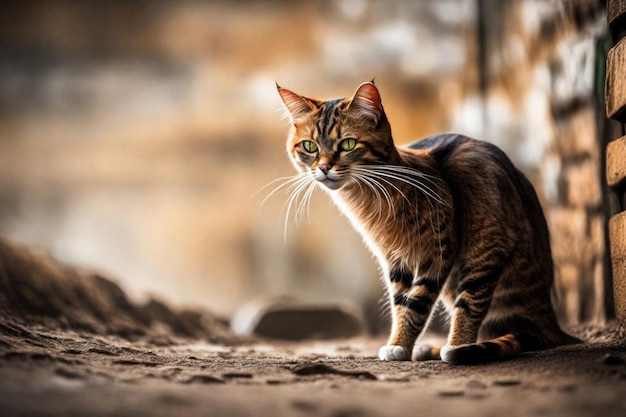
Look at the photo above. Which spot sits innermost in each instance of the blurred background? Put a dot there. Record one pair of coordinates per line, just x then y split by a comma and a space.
136, 136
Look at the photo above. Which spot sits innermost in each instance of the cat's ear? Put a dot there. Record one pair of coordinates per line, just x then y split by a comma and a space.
296, 105
366, 102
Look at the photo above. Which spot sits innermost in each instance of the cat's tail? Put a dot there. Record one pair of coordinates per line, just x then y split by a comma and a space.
503, 347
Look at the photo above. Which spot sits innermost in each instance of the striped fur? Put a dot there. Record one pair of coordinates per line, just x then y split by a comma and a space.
447, 217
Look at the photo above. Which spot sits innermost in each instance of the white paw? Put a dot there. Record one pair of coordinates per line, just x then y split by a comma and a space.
447, 352
393, 353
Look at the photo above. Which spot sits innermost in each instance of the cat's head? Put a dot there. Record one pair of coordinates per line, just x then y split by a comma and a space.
329, 138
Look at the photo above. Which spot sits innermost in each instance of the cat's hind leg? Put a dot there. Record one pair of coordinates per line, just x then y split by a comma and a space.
503, 347
474, 294
517, 335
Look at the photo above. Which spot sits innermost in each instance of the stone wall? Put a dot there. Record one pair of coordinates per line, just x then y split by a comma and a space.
576, 200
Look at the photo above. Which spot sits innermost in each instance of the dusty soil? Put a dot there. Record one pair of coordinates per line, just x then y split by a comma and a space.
47, 372
72, 344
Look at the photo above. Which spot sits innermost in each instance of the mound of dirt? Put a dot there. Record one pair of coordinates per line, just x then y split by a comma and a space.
37, 290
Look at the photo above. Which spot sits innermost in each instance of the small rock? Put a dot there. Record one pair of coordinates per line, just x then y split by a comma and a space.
101, 351
610, 359
202, 379
237, 375
290, 320
567, 388
451, 393
68, 373
322, 369
275, 382
475, 384
134, 362
507, 382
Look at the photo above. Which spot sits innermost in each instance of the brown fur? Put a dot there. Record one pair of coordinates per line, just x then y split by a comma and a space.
447, 217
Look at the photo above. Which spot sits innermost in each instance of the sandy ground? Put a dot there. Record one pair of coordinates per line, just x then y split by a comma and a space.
72, 344
64, 373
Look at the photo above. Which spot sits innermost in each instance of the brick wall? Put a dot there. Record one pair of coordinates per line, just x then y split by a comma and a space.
571, 174
615, 95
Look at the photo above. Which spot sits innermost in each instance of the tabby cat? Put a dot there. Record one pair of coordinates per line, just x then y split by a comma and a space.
447, 217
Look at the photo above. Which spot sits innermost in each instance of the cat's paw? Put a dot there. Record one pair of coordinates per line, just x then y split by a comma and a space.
467, 354
447, 353
425, 352
393, 353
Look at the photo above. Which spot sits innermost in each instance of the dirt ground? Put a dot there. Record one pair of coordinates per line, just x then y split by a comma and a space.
72, 344
64, 373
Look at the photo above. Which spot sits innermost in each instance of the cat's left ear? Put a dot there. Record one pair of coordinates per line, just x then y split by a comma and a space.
296, 105
366, 102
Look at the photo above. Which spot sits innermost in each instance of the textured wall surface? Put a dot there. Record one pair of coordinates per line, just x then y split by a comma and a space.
135, 136
615, 94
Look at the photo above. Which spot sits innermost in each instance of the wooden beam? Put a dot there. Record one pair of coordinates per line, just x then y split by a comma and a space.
617, 234
616, 16
615, 86
616, 162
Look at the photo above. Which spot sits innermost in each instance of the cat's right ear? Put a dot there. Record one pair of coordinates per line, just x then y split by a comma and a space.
366, 102
296, 105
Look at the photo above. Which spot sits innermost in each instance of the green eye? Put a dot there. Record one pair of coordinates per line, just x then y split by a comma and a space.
309, 146
347, 144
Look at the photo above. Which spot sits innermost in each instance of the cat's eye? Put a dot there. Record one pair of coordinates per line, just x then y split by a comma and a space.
347, 144
309, 146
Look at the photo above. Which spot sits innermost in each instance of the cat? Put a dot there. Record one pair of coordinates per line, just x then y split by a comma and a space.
447, 217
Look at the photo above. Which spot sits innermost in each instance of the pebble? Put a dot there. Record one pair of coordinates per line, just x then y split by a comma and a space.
323, 369
237, 375
506, 382
451, 393
475, 384
611, 359
203, 379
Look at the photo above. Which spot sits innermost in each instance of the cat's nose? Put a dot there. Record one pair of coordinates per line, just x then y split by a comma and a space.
324, 168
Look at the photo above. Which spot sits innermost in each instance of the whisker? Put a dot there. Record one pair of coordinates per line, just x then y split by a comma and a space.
379, 190
287, 182
293, 198
305, 204
392, 185
408, 171
407, 176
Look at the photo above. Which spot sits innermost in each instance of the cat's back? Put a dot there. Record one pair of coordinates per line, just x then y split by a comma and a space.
444, 142
487, 190
465, 161
460, 150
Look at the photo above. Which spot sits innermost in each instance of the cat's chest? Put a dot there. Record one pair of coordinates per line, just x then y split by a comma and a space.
398, 236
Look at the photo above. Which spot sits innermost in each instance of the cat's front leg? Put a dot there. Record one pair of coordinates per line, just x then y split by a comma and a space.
412, 301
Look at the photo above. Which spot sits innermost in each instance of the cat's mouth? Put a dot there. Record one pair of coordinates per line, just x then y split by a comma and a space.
331, 184
330, 179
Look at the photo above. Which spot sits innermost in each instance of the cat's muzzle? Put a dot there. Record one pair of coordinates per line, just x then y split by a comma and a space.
329, 179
